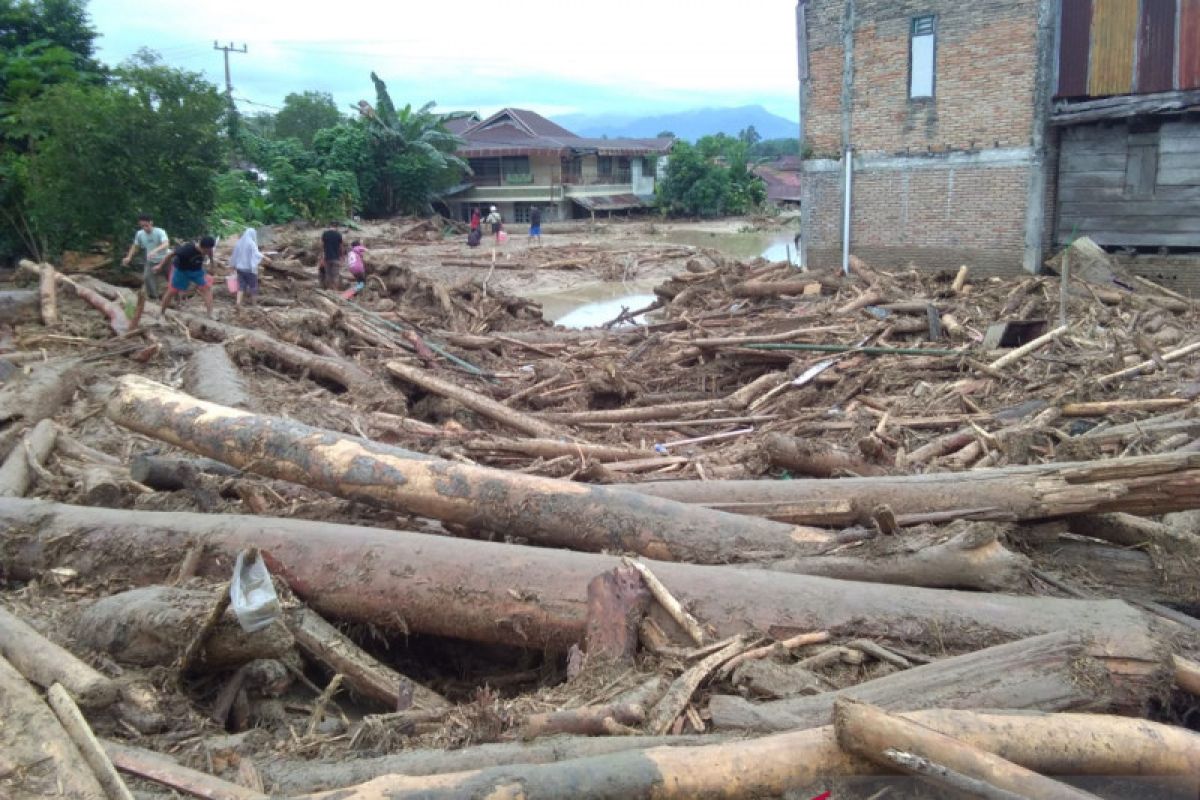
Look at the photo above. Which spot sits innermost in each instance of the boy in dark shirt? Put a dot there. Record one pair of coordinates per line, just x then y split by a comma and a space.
333, 247
188, 262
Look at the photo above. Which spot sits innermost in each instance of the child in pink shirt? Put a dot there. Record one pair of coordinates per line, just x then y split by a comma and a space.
356, 263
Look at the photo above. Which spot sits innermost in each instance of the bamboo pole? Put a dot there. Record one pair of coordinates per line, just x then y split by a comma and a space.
1029, 347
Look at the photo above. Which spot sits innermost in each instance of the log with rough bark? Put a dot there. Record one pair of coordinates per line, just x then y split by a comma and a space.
170, 473
617, 600
48, 295
737, 401
803, 286
1139, 485
211, 375
870, 732
77, 728
35, 752
45, 663
315, 557
552, 448
339, 371
1105, 407
114, 311
543, 510
153, 625
16, 473
810, 457
327, 645
40, 392
1052, 672
1057, 744
18, 306
162, 769
493, 410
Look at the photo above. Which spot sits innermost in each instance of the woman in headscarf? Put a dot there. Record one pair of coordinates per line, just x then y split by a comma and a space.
246, 259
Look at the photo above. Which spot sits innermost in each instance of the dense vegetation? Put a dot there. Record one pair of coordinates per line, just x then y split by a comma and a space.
711, 178
85, 147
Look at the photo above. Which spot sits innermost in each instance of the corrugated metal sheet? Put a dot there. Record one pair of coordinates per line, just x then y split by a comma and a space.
1073, 48
1189, 45
1114, 32
1156, 46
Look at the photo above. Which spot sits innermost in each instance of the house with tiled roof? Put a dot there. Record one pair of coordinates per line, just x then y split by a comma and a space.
520, 159
782, 177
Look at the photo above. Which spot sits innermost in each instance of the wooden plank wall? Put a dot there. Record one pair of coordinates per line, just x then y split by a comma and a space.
1124, 186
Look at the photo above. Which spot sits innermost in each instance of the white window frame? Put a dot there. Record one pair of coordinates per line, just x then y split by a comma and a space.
922, 57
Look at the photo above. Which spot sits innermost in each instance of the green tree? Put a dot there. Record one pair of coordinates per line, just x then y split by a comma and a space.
749, 136
769, 149
665, 135
710, 178
304, 115
147, 141
43, 43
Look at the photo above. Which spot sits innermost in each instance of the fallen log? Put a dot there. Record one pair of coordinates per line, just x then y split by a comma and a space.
870, 732
48, 295
40, 392
16, 473
34, 748
804, 286
617, 601
1053, 672
315, 557
162, 769
154, 625
818, 459
170, 473
551, 448
542, 510
19, 306
327, 645
339, 371
1139, 485
497, 412
1057, 744
113, 311
45, 663
737, 401
211, 375
77, 728
1106, 407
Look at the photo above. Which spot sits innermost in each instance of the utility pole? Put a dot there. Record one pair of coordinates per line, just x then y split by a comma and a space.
227, 49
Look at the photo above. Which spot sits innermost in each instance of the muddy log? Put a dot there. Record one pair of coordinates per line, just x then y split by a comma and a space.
543, 510
1139, 485
166, 771
551, 448
17, 473
1053, 672
170, 474
40, 392
339, 371
45, 663
48, 295
315, 557
806, 761
211, 375
1123, 572
35, 751
815, 458
18, 306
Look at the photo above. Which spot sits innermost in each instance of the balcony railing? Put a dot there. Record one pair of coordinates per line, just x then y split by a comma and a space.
617, 177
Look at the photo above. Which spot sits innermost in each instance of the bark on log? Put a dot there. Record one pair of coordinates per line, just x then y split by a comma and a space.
291, 777
314, 558
617, 601
1121, 572
327, 645
586, 721
497, 412
737, 401
551, 448
543, 510
211, 375
818, 459
777, 288
161, 769
101, 486
1053, 672
18, 306
169, 473
1140, 485
39, 393
34, 746
1058, 744
48, 295
341, 372
16, 474
869, 732
45, 663
153, 625
114, 311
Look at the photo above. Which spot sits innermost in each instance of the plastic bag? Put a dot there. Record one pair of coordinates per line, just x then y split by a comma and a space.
502, 236
252, 594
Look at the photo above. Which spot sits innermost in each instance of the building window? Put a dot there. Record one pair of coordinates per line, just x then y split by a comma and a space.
922, 54
604, 166
649, 167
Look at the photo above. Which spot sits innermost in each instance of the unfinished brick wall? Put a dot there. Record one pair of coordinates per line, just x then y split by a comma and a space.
930, 217
931, 213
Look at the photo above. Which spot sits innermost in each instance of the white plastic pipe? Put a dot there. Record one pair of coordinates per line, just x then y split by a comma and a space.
847, 210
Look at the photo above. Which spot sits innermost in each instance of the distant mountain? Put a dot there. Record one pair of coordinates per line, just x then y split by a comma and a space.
690, 125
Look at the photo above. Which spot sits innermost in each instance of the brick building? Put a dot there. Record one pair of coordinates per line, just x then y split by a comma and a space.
956, 114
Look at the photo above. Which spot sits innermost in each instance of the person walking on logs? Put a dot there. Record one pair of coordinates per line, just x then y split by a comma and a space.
154, 243
493, 219
188, 269
333, 248
245, 260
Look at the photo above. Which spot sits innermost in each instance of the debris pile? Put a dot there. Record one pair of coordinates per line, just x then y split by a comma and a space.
780, 532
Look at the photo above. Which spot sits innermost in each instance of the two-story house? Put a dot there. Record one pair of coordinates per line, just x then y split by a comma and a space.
989, 133
520, 160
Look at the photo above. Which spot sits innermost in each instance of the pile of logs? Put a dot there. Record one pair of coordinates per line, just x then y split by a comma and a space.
799, 533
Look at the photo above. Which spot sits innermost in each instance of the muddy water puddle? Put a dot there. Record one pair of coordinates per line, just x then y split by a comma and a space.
771, 245
594, 304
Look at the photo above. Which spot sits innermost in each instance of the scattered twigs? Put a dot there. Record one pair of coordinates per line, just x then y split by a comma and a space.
673, 703
800, 640
318, 710
664, 597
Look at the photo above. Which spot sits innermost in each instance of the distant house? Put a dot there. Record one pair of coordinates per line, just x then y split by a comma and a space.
782, 177
991, 133
520, 160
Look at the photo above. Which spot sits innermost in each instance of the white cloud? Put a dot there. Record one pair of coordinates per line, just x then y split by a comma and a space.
667, 52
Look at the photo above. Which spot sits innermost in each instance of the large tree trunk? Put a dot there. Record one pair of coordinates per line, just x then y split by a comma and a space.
211, 375
542, 510
423, 575
16, 473
1058, 744
40, 393
1142, 485
1053, 672
18, 306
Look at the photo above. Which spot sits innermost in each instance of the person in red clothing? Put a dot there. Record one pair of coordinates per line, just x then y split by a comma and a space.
475, 219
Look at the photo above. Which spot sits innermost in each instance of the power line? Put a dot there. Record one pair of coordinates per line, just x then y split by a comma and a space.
227, 49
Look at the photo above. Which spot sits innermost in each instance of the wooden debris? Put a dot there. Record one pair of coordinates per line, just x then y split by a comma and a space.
81, 733
45, 663
667, 600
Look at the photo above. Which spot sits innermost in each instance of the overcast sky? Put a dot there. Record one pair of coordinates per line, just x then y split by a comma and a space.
553, 56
